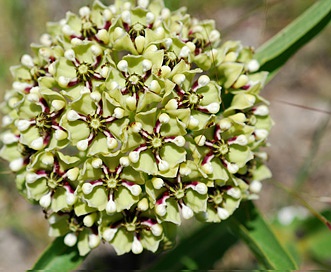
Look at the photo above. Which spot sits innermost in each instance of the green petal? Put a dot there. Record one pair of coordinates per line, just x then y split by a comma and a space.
124, 199
196, 201
122, 241
98, 198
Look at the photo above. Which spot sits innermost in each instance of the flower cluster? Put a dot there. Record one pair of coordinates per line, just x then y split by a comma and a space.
129, 118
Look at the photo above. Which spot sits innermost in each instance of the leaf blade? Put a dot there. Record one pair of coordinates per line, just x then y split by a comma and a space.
275, 52
59, 257
248, 224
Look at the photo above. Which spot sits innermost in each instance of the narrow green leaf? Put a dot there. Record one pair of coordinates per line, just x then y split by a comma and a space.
248, 224
275, 52
59, 257
198, 251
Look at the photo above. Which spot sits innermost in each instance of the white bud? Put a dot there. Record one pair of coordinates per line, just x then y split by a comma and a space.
67, 30
38, 143
72, 115
54, 218
225, 124
165, 71
156, 229
32, 177
179, 79
163, 165
240, 140
126, 17
82, 145
213, 107
16, 165
171, 105
124, 161
109, 234
161, 209
154, 86
143, 3
111, 207
60, 135
261, 110
111, 143
131, 102
46, 39
255, 186
118, 33
136, 247
222, 213
22, 125
134, 156
123, 65
70, 55
103, 35
71, 198
58, 104
70, 239
73, 173
157, 183
48, 159
9, 138
33, 97
201, 188
96, 163
87, 188
147, 65
261, 134
136, 127
104, 71
27, 60
89, 219
135, 189
165, 13
168, 43
187, 212
203, 81
207, 168
95, 96
232, 168
164, 118
184, 52
63, 81
20, 86
143, 204
93, 241
84, 90
234, 192
150, 17
179, 141
140, 44
76, 41
84, 11
214, 35
200, 140
51, 68
46, 200
253, 66
193, 122
118, 113
96, 50
6, 120
184, 170
107, 14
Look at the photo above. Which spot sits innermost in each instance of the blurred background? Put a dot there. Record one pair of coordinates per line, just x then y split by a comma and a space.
300, 142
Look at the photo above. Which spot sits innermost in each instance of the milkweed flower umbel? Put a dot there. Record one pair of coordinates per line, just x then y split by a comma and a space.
128, 119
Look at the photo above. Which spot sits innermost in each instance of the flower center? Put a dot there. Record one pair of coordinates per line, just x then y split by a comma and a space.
179, 194
134, 79
218, 199
156, 142
193, 98
95, 123
83, 69
130, 226
112, 183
